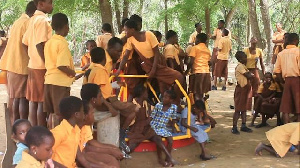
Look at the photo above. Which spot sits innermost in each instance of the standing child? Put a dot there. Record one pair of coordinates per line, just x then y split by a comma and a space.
171, 52
221, 67
86, 58
192, 39
103, 39
38, 33
161, 115
40, 142
19, 130
60, 69
241, 92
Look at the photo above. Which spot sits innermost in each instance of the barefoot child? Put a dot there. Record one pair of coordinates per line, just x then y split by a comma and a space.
40, 142
160, 117
103, 39
86, 58
19, 130
241, 92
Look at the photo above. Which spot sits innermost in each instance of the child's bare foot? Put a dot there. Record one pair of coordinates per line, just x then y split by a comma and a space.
258, 149
163, 163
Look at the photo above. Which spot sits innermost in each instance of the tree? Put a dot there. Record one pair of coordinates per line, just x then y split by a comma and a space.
254, 23
106, 11
264, 9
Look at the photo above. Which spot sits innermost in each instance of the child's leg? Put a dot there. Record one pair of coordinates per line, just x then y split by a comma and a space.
41, 115
33, 106
23, 108
261, 146
244, 128
203, 155
15, 109
100, 158
236, 116
129, 119
169, 147
161, 147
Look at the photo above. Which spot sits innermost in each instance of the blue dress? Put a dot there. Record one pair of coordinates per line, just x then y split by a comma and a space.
161, 118
18, 154
200, 136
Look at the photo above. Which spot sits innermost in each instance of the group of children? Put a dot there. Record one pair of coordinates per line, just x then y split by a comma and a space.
40, 70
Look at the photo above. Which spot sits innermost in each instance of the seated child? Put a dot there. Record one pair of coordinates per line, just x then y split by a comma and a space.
86, 58
19, 130
267, 101
281, 139
197, 130
40, 142
160, 117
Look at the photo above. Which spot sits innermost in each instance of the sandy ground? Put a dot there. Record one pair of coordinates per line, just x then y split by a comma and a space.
231, 150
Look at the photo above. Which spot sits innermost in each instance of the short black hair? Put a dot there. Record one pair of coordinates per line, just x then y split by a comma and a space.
225, 32
2, 33
97, 55
69, 106
89, 91
240, 54
269, 73
124, 21
131, 24
107, 27
36, 135
172, 94
199, 104
202, 37
30, 8
113, 41
197, 24
36, 2
170, 34
222, 21
86, 106
89, 41
136, 18
138, 90
17, 123
292, 37
59, 20
157, 33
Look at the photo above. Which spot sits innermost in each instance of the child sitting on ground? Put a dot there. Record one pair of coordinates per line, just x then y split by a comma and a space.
161, 115
86, 58
197, 130
19, 130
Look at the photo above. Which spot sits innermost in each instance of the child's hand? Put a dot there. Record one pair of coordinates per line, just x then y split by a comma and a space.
78, 76
121, 84
194, 129
49, 163
117, 154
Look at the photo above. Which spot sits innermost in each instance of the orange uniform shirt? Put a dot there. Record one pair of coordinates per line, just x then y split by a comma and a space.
67, 140
15, 58
172, 52
29, 161
288, 62
146, 47
39, 30
121, 35
57, 53
278, 36
225, 47
239, 74
85, 59
218, 34
252, 59
103, 39
86, 134
273, 86
100, 76
202, 55
109, 63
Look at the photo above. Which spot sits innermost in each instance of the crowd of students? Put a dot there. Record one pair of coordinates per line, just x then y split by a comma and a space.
40, 69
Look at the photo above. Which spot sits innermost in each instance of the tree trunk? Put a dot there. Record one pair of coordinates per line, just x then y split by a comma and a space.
166, 17
106, 12
248, 30
125, 9
229, 17
118, 17
254, 23
264, 8
207, 20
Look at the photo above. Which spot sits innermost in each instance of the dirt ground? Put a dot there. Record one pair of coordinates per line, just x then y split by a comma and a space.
231, 150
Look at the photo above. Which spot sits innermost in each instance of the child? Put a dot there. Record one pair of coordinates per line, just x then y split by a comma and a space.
287, 67
160, 117
200, 60
122, 35
37, 34
281, 139
197, 131
19, 130
86, 58
103, 39
221, 67
171, 53
267, 101
241, 92
60, 69
192, 39
40, 142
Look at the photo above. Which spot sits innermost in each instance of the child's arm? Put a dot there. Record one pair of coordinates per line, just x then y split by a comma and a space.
95, 146
123, 62
190, 65
170, 63
248, 75
112, 110
40, 49
184, 123
82, 160
85, 67
71, 73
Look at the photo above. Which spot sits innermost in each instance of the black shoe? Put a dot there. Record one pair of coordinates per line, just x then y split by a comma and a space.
214, 87
234, 130
246, 129
224, 88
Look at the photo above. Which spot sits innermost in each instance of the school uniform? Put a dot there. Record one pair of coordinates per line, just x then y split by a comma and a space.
171, 52
57, 84
242, 89
103, 39
3, 43
200, 81
221, 67
192, 40
67, 140
288, 64
278, 46
85, 59
86, 134
39, 31
18, 154
15, 59
30, 161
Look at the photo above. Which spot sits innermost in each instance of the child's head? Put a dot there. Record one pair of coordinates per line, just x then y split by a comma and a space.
293, 39
172, 37
138, 20
98, 56
199, 106
123, 22
241, 57
40, 142
198, 27
2, 33
140, 91
60, 24
90, 44
225, 32
45, 6
158, 35
278, 26
115, 48
130, 27
30, 8
88, 112
169, 97
221, 24
71, 108
106, 28
253, 41
20, 129
268, 77
91, 93
201, 38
